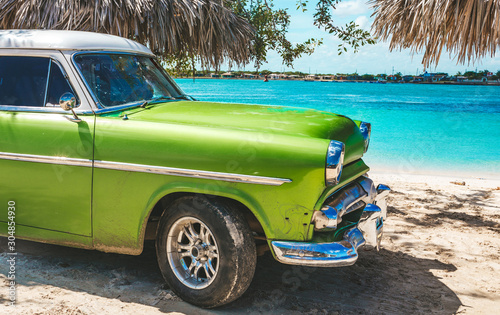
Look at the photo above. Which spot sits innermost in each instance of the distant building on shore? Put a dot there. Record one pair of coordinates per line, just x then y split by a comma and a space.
439, 77
311, 77
407, 78
228, 75
353, 77
249, 76
434, 77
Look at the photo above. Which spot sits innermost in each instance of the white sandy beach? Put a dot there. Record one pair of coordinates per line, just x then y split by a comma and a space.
440, 254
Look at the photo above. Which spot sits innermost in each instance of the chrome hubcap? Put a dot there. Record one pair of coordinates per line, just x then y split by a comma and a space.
192, 253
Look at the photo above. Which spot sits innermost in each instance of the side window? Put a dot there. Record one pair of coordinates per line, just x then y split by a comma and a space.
58, 85
23, 80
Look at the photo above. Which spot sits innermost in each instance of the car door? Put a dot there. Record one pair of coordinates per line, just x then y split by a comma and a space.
45, 157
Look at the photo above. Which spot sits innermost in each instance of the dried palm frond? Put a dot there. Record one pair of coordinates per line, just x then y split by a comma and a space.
202, 28
470, 29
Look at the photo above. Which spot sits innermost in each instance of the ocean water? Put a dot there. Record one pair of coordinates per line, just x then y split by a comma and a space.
416, 128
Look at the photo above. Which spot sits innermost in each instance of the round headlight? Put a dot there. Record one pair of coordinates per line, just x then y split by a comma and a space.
366, 130
334, 161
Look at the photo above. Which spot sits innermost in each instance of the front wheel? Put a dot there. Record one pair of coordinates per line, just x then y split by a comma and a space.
206, 251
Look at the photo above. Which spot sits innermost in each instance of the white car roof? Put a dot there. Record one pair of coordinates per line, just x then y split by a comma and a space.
68, 40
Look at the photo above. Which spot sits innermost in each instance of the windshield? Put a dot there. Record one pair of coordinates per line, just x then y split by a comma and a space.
117, 79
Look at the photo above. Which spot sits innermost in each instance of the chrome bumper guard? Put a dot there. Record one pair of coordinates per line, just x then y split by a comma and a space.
368, 231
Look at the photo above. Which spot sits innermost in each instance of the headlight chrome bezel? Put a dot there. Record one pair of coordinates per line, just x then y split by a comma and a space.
366, 131
334, 162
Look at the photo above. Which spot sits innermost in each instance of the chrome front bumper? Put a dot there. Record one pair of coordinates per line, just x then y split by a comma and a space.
368, 230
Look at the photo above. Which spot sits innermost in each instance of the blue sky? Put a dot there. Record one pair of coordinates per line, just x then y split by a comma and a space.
370, 59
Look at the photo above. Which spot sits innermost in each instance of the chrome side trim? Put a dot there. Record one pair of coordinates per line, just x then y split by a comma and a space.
130, 167
118, 107
60, 160
46, 110
228, 177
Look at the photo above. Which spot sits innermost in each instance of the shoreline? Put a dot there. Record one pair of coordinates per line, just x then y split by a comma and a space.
436, 179
347, 81
437, 172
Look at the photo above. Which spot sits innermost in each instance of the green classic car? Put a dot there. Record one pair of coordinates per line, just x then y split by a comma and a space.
100, 149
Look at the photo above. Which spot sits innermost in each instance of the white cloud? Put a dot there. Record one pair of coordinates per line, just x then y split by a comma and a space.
363, 22
354, 7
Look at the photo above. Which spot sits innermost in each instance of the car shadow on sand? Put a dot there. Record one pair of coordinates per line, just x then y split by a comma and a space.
383, 282
379, 283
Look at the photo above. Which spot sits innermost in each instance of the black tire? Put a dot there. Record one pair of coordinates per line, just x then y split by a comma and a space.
236, 251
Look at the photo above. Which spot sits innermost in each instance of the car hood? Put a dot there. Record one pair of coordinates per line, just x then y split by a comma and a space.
258, 118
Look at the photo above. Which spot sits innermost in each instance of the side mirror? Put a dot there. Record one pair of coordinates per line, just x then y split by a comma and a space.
67, 102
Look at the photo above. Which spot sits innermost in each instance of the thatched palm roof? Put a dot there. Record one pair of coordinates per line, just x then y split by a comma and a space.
468, 28
204, 28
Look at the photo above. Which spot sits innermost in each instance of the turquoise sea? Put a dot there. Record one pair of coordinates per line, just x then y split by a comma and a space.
416, 128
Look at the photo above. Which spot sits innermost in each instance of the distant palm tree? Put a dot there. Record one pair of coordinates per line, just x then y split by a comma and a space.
203, 28
468, 28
